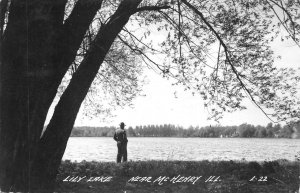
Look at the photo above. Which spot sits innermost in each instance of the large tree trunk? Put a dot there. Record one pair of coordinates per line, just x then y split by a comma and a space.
25, 48
36, 51
35, 54
53, 142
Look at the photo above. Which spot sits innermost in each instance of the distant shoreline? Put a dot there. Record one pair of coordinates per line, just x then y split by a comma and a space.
168, 130
194, 137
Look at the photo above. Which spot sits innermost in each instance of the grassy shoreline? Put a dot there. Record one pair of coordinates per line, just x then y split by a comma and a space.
179, 176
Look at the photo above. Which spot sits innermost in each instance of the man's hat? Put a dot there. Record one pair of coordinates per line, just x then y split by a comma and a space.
122, 123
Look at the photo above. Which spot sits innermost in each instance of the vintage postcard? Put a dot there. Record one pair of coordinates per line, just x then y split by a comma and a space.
145, 96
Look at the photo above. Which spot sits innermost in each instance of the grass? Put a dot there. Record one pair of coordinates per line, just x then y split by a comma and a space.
234, 177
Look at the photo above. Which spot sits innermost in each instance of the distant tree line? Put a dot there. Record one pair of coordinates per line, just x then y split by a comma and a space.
168, 130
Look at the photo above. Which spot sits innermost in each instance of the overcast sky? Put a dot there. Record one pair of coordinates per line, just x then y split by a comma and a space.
167, 104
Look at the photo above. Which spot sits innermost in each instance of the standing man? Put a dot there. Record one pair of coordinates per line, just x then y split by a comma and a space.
121, 139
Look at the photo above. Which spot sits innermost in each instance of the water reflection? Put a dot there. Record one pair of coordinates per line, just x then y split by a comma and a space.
104, 149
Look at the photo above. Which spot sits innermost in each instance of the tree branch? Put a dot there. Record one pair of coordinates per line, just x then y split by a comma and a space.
293, 36
73, 31
133, 37
140, 52
188, 40
151, 8
3, 10
179, 31
227, 54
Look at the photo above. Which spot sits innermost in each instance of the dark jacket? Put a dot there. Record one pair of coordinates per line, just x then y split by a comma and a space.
120, 136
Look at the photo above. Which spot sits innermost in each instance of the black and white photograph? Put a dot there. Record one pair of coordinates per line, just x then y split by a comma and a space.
143, 96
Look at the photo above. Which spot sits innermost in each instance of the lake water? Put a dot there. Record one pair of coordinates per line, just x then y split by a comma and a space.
146, 148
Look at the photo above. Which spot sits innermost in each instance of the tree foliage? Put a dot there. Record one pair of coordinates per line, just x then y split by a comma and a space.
217, 49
